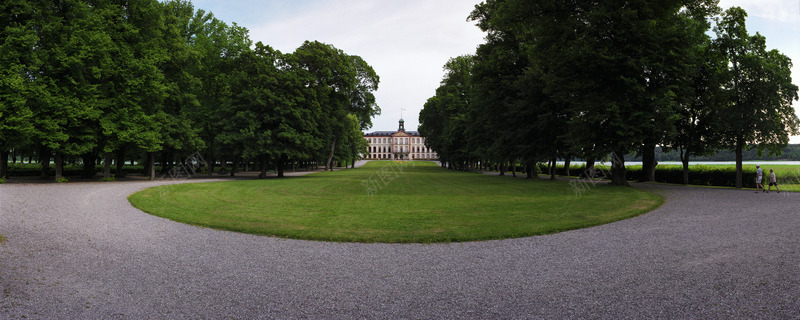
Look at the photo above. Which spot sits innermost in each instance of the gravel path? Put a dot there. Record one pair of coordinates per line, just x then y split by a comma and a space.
80, 250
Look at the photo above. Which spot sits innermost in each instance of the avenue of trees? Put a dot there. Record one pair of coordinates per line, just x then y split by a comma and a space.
159, 81
589, 79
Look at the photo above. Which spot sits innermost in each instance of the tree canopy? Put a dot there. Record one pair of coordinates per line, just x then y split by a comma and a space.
565, 79
159, 81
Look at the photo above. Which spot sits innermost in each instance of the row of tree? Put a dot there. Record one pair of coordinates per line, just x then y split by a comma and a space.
589, 79
117, 79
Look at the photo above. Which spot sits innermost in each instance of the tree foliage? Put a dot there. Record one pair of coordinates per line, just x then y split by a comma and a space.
758, 90
563, 79
142, 78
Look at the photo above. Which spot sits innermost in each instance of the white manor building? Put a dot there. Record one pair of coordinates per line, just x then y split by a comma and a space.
398, 145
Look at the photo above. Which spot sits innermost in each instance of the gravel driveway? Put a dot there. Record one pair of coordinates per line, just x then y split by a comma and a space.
80, 250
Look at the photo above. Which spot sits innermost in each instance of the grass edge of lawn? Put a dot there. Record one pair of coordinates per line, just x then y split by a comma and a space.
649, 201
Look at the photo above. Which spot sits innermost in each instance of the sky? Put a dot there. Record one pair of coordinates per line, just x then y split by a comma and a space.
408, 42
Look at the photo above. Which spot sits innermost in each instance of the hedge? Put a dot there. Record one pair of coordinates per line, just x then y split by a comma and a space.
34, 170
698, 174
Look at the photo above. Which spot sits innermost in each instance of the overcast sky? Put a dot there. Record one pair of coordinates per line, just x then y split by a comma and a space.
407, 42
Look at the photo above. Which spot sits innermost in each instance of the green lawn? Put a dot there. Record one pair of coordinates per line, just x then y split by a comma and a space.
416, 202
788, 176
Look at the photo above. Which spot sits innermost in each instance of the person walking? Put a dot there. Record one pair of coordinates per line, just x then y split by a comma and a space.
773, 181
759, 177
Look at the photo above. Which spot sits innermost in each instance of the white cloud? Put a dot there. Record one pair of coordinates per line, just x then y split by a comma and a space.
406, 42
786, 11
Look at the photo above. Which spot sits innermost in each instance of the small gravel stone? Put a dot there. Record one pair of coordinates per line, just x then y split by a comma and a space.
80, 250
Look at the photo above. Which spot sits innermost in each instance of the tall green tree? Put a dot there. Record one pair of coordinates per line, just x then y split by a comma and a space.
353, 145
699, 93
297, 115
182, 81
219, 46
444, 119
343, 85
74, 50
133, 86
759, 88
605, 71
17, 61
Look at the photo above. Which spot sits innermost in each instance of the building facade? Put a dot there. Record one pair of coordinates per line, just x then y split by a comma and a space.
398, 145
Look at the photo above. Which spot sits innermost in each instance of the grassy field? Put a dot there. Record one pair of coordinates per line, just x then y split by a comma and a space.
405, 202
788, 176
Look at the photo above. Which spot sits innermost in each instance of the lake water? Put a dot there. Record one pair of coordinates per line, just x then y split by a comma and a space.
744, 163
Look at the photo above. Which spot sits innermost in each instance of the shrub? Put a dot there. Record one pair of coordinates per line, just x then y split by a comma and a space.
35, 169
62, 180
574, 169
698, 174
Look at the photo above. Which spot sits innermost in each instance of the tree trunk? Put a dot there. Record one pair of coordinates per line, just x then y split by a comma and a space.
14, 156
211, 161
685, 162
531, 170
152, 169
281, 162
107, 165
166, 162
146, 165
739, 147
566, 165
44, 158
589, 168
89, 160
329, 165
120, 162
553, 169
648, 163
264, 166
618, 169
3, 163
59, 166
514, 168
234, 166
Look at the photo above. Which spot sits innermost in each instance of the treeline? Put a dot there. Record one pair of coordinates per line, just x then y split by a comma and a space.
157, 82
565, 80
790, 153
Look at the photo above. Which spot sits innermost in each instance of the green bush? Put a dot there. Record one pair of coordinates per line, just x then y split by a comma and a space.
574, 169
35, 169
698, 174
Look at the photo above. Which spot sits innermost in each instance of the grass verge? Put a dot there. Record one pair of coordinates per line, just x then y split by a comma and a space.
394, 203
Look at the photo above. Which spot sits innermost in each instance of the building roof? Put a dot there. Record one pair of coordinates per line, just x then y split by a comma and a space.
389, 133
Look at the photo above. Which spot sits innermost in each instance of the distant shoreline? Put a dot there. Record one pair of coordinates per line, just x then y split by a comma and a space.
749, 162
